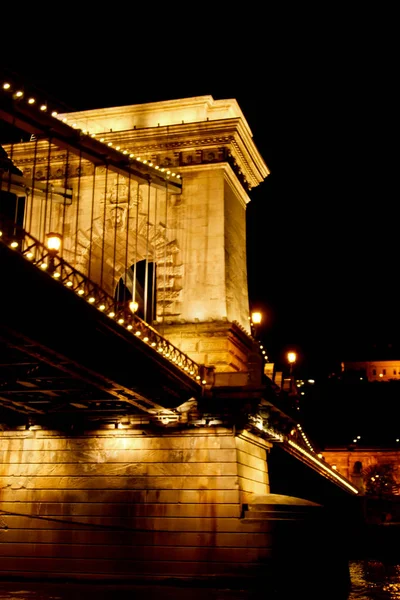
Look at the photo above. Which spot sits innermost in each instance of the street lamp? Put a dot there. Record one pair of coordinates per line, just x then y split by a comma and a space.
133, 306
256, 318
53, 243
292, 357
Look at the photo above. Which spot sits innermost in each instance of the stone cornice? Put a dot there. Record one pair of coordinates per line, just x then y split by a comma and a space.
179, 125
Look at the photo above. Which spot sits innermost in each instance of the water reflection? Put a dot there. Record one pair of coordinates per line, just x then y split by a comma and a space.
374, 580
370, 580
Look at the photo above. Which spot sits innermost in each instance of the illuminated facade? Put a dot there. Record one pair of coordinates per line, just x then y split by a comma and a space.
377, 370
194, 238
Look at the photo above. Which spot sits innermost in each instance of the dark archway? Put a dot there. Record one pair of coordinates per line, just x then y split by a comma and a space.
145, 293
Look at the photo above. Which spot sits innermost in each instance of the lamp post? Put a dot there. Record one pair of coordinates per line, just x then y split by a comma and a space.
256, 318
292, 357
53, 243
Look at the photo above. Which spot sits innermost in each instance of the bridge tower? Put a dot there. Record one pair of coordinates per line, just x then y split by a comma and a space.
193, 238
118, 460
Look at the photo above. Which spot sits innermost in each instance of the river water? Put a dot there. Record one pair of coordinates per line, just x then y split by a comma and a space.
370, 580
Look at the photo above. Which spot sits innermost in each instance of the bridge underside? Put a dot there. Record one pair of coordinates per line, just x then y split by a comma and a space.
60, 357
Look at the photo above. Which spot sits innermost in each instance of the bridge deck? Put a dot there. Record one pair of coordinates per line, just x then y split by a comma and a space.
59, 354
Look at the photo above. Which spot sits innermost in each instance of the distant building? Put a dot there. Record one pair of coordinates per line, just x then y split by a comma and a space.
376, 370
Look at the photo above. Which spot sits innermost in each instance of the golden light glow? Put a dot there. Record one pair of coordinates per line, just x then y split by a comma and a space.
133, 306
325, 467
256, 317
292, 356
6, 86
14, 244
53, 242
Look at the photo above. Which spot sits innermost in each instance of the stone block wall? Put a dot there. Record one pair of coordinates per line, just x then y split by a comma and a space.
131, 504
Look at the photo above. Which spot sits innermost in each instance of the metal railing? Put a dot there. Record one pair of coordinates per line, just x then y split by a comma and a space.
56, 267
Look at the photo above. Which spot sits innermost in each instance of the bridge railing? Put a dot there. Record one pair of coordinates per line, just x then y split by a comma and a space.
59, 269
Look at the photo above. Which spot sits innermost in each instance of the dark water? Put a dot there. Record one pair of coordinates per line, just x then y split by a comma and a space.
370, 580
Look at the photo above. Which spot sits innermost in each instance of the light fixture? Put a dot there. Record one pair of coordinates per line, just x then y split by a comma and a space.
133, 306
53, 243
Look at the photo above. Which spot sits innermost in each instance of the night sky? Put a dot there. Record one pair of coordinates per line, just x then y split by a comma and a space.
322, 103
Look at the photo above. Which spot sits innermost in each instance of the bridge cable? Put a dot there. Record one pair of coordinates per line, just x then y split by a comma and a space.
153, 288
64, 209
146, 273
165, 258
77, 208
47, 191
136, 246
127, 238
91, 221
115, 239
104, 228
28, 222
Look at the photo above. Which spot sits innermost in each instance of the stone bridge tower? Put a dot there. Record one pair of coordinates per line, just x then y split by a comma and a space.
196, 238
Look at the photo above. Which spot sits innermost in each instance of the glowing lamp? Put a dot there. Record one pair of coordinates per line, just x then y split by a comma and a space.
133, 306
256, 317
53, 242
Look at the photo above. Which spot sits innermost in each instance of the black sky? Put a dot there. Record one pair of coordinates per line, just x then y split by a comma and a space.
319, 92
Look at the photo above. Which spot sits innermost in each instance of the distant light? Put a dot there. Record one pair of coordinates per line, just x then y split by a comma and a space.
31, 101
6, 86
